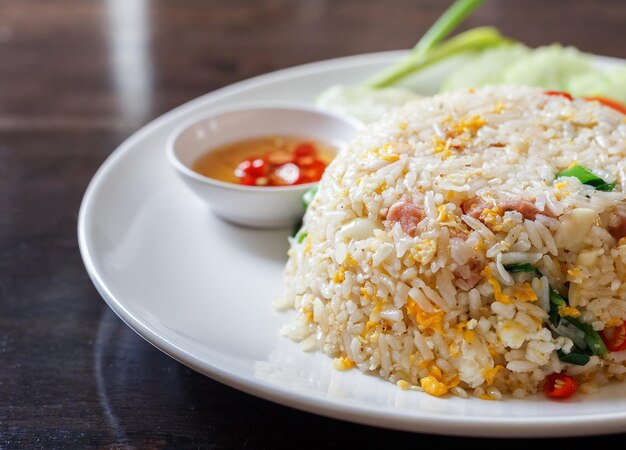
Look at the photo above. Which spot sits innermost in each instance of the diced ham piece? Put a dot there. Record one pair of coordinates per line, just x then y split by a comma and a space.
619, 231
474, 207
468, 276
524, 207
408, 214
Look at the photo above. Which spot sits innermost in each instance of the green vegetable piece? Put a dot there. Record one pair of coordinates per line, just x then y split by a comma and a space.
574, 357
472, 40
555, 301
607, 187
587, 177
599, 83
527, 267
486, 67
580, 172
301, 236
307, 198
550, 67
592, 337
615, 85
446, 23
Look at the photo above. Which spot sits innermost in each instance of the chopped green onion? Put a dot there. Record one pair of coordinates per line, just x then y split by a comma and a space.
526, 267
592, 337
574, 357
607, 187
307, 198
472, 40
301, 236
446, 23
587, 177
555, 302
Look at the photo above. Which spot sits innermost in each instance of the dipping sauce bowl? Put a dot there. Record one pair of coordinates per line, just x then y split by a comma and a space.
253, 206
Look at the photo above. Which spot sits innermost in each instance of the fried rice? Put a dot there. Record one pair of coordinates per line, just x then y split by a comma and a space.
437, 240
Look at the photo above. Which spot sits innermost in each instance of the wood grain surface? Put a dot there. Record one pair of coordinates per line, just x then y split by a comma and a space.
79, 77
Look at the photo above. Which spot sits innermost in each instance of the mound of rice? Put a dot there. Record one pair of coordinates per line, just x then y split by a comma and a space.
407, 256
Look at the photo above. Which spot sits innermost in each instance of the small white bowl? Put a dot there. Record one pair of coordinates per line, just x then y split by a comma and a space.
260, 207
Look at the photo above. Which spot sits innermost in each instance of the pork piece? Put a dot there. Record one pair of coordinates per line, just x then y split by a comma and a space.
474, 207
469, 275
524, 207
408, 214
618, 231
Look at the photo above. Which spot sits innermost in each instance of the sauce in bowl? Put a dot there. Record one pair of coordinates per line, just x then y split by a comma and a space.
267, 161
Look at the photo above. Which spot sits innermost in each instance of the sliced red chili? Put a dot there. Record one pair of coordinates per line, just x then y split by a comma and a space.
559, 93
560, 386
610, 103
257, 168
614, 338
305, 149
304, 161
313, 172
280, 167
248, 180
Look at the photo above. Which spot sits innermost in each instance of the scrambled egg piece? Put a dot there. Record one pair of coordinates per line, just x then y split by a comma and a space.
560, 184
468, 336
525, 293
433, 387
343, 363
339, 275
497, 290
568, 311
489, 374
434, 384
424, 251
492, 217
380, 189
402, 384
390, 158
471, 125
425, 321
512, 333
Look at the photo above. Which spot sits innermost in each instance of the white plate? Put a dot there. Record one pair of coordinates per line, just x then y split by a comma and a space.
201, 290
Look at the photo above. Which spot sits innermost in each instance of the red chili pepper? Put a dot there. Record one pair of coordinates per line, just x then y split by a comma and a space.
610, 103
615, 338
282, 167
304, 161
248, 180
257, 167
559, 93
313, 172
560, 386
305, 149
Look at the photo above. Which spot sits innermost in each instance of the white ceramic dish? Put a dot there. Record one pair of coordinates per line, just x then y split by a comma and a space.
200, 289
253, 206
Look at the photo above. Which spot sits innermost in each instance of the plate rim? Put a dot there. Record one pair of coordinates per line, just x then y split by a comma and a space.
343, 410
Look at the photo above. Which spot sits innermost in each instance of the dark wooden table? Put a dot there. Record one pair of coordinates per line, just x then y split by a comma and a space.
76, 79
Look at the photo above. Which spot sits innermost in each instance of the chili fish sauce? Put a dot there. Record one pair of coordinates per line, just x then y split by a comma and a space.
267, 161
